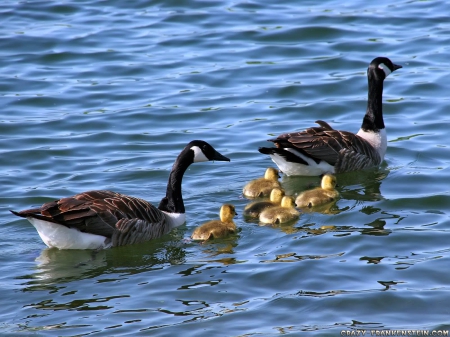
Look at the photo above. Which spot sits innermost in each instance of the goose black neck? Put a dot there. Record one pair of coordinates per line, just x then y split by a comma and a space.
173, 201
373, 120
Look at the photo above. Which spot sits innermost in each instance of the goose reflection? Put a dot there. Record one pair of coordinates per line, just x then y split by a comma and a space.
364, 186
287, 228
218, 251
54, 266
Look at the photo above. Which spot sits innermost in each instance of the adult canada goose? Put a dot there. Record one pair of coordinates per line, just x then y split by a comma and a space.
253, 209
215, 229
103, 219
280, 214
262, 187
319, 195
322, 149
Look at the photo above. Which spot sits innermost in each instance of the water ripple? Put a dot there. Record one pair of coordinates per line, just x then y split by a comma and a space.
105, 95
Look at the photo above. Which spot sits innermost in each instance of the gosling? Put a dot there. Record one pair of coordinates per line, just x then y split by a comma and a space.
280, 214
253, 209
263, 186
319, 195
215, 229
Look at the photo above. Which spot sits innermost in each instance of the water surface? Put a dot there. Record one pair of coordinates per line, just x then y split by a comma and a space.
104, 95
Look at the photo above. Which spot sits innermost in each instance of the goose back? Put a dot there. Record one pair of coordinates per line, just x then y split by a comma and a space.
120, 218
344, 150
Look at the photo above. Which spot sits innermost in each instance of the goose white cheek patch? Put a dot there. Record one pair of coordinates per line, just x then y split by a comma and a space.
199, 156
385, 68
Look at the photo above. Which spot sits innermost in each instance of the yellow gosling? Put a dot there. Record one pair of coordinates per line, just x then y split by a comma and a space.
263, 186
253, 209
320, 195
280, 214
215, 229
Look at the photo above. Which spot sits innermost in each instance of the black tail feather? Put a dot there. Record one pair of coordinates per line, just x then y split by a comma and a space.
288, 156
32, 213
266, 150
17, 213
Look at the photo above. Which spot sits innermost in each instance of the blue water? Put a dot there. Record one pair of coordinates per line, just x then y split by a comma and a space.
104, 95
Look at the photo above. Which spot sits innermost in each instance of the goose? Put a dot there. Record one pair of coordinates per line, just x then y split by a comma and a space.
280, 214
322, 149
253, 209
320, 195
103, 219
215, 229
262, 187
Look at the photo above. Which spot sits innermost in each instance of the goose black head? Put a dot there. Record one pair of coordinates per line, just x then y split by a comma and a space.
202, 151
382, 67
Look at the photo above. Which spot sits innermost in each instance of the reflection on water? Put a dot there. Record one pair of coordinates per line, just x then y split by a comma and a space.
54, 266
329, 208
287, 227
60, 266
363, 185
212, 251
293, 257
377, 228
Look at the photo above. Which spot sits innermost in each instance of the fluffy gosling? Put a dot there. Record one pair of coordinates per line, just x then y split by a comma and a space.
253, 209
263, 186
280, 214
215, 229
319, 195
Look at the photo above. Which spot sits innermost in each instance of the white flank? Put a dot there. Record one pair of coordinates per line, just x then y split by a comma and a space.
175, 219
385, 68
199, 156
62, 237
377, 139
297, 169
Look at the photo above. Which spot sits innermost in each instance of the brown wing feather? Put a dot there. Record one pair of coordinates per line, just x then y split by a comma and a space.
100, 212
130, 231
345, 150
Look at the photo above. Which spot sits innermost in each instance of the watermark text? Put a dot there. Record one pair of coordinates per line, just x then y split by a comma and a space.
360, 332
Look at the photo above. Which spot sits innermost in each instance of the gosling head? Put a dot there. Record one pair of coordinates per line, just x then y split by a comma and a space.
287, 201
271, 174
227, 213
329, 181
276, 195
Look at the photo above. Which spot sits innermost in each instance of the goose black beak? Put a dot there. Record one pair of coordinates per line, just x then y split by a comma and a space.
396, 66
219, 157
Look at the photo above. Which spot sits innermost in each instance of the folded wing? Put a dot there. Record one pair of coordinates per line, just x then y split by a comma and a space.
344, 150
121, 218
